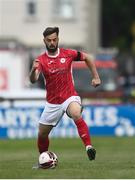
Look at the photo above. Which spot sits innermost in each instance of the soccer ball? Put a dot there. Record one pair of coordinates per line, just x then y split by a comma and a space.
48, 160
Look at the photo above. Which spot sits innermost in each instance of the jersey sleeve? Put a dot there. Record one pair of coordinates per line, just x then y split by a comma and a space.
77, 55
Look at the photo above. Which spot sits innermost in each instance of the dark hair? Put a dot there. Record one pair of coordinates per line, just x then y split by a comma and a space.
51, 30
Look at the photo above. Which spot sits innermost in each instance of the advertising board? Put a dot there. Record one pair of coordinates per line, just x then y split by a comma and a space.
102, 120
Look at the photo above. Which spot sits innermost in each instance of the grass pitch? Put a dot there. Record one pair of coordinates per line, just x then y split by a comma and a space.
115, 159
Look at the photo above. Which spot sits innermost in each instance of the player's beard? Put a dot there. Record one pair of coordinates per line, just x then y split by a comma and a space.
52, 49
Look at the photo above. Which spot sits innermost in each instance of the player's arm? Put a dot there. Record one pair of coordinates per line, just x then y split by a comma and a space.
35, 72
89, 60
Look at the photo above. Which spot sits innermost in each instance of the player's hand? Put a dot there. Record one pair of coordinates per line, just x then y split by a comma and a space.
95, 82
35, 64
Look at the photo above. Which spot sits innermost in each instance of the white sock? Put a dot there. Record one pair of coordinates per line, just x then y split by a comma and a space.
88, 147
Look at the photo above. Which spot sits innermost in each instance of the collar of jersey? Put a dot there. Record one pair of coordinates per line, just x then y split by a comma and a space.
53, 56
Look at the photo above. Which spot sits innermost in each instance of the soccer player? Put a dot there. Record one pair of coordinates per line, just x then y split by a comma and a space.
55, 65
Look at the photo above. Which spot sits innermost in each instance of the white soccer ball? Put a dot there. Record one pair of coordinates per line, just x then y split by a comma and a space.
48, 160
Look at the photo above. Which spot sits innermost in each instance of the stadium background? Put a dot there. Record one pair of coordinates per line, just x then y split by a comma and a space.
101, 27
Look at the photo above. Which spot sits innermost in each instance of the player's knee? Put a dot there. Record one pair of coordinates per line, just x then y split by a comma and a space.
76, 115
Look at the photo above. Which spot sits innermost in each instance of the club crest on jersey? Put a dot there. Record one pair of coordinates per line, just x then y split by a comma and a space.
62, 60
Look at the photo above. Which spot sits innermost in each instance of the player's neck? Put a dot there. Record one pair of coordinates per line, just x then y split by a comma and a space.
55, 54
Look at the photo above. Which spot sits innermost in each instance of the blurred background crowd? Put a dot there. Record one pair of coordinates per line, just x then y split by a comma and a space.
105, 28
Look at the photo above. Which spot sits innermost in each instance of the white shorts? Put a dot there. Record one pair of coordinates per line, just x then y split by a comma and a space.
52, 113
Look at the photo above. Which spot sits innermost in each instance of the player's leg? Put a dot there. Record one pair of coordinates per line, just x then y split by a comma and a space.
49, 118
74, 110
43, 140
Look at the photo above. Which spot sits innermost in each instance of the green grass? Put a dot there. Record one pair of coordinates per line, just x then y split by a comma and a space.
115, 159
